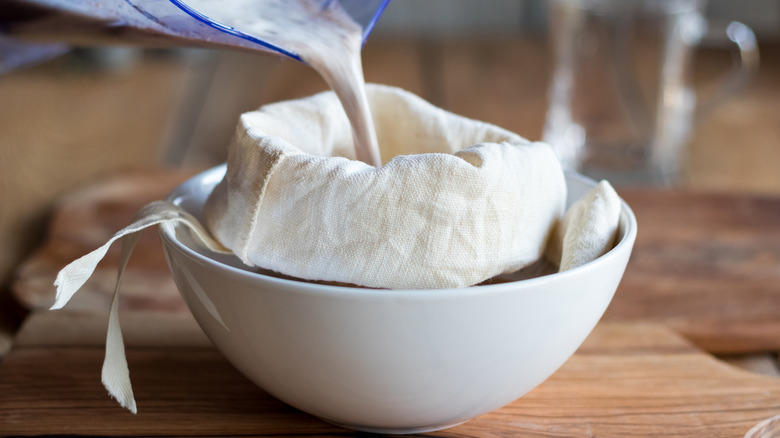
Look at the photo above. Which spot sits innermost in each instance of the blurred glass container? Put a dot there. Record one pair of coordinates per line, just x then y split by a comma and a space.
621, 102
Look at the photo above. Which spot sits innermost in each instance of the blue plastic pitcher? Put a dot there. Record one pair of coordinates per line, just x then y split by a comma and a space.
178, 15
157, 23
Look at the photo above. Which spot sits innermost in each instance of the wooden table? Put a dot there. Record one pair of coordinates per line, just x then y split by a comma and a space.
628, 379
704, 278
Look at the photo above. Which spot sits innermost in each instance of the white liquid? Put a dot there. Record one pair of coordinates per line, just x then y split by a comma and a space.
328, 40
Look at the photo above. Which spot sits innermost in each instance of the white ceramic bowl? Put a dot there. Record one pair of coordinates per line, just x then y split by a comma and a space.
393, 361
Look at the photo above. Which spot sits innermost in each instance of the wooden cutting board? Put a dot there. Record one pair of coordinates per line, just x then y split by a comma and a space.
707, 265
626, 380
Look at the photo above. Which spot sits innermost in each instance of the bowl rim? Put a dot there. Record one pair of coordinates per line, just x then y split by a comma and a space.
624, 245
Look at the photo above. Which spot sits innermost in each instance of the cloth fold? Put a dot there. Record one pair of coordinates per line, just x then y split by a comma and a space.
588, 229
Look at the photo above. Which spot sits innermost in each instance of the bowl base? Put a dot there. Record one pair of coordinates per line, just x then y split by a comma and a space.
392, 430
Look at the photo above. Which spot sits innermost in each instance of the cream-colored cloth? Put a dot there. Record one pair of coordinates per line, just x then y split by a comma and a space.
458, 202
588, 230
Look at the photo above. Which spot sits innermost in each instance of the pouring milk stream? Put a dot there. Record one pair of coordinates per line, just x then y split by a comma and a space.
322, 33
325, 37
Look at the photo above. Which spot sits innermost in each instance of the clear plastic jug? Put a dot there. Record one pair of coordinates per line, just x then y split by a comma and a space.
153, 23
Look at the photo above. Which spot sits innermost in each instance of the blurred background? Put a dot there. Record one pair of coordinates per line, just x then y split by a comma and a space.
93, 111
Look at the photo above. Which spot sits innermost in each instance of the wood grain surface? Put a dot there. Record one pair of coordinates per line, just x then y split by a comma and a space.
707, 265
626, 380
